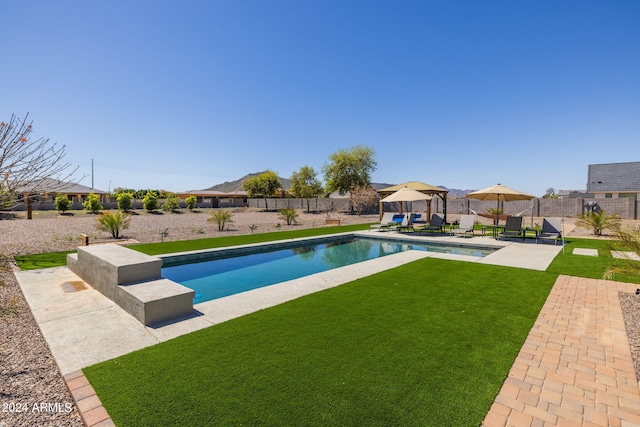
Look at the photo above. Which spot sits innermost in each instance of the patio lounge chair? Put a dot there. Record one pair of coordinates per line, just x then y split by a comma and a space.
513, 228
466, 226
418, 219
435, 225
396, 222
551, 229
408, 227
387, 218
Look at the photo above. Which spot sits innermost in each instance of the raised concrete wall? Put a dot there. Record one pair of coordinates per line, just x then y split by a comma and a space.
133, 281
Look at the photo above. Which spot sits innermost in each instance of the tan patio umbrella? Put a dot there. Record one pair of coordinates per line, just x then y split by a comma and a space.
405, 195
499, 193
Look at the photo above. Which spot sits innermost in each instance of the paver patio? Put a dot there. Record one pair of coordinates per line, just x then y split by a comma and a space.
575, 367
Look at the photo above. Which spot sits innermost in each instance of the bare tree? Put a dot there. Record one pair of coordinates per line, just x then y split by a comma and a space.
28, 166
363, 197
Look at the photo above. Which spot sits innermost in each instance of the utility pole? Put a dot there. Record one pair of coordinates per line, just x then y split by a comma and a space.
92, 174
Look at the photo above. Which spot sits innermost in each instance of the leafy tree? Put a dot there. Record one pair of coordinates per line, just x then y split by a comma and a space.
349, 168
62, 203
28, 165
171, 203
550, 194
125, 201
599, 221
191, 202
150, 201
290, 216
363, 197
266, 184
305, 184
221, 217
92, 204
113, 223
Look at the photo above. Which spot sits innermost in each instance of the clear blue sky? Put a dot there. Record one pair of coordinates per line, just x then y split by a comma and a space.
181, 95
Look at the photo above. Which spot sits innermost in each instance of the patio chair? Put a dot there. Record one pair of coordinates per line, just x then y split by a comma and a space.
513, 228
396, 222
418, 219
436, 224
408, 227
466, 226
387, 218
551, 229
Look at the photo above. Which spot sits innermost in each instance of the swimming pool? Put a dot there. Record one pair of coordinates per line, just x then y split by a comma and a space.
227, 273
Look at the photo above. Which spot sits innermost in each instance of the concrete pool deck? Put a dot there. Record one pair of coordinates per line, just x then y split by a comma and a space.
82, 327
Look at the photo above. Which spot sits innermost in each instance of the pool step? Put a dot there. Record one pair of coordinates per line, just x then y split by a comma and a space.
133, 281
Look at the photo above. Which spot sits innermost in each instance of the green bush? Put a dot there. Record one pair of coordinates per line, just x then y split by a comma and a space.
171, 203
150, 201
221, 217
191, 202
113, 223
125, 201
92, 204
62, 203
290, 216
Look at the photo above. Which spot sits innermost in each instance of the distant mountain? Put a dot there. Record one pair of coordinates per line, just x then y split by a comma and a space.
454, 192
231, 186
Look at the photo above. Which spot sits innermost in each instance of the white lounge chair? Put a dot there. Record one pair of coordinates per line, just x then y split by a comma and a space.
466, 226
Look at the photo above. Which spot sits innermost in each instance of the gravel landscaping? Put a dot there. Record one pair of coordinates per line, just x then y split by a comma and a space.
28, 373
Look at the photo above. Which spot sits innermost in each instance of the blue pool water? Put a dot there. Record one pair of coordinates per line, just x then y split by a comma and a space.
227, 276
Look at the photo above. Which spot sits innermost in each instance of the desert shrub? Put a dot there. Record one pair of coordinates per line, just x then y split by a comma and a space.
599, 221
191, 202
62, 203
125, 201
171, 203
290, 216
92, 204
221, 217
113, 223
150, 201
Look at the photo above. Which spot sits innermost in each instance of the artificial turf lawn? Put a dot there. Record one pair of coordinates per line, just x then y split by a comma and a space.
427, 343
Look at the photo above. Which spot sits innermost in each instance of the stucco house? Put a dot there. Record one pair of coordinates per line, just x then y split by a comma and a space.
614, 180
46, 190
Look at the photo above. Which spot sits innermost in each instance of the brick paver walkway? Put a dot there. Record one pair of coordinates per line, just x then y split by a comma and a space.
575, 368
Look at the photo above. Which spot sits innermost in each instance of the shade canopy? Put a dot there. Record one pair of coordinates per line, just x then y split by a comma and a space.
413, 185
499, 192
406, 195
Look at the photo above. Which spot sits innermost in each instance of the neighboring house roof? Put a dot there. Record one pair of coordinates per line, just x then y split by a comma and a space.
213, 193
50, 185
609, 177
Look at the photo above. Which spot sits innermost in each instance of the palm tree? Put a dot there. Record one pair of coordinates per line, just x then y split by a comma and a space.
629, 240
599, 221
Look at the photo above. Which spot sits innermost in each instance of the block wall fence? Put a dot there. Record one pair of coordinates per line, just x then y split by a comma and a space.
573, 207
625, 208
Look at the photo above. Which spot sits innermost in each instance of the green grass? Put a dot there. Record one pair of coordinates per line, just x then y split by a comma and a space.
428, 343
587, 266
43, 260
